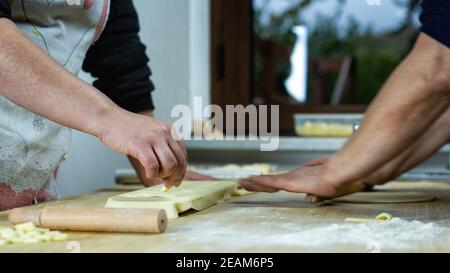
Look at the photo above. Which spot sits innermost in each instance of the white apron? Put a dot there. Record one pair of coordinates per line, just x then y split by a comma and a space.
32, 147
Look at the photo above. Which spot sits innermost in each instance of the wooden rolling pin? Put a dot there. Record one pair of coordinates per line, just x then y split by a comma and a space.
93, 219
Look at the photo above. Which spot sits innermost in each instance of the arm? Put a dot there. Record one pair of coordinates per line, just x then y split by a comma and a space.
27, 73
413, 99
425, 146
425, 72
119, 62
428, 144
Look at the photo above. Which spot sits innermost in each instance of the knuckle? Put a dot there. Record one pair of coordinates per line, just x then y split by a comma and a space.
149, 163
153, 166
152, 137
168, 170
165, 129
172, 165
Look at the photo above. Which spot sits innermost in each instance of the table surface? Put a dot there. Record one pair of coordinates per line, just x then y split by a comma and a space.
255, 223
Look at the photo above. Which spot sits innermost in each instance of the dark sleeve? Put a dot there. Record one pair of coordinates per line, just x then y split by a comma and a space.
5, 9
435, 20
119, 62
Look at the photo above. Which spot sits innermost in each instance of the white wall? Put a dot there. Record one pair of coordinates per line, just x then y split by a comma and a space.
176, 33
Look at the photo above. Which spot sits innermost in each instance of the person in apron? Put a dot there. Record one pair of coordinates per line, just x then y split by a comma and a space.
43, 45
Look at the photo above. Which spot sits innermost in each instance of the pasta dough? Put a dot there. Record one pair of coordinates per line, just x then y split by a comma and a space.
28, 233
233, 171
379, 218
385, 197
190, 195
324, 129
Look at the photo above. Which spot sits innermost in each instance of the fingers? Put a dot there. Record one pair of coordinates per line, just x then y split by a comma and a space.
285, 182
193, 176
254, 187
316, 162
179, 150
182, 148
268, 182
149, 162
176, 139
152, 182
140, 171
163, 157
346, 189
178, 174
180, 153
172, 158
168, 163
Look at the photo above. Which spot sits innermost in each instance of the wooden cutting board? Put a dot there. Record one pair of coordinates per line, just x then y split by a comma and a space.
212, 230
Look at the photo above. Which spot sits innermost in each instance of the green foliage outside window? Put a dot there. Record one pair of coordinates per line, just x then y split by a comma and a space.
376, 54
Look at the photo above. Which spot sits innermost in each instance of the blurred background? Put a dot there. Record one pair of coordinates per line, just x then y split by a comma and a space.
374, 37
240, 51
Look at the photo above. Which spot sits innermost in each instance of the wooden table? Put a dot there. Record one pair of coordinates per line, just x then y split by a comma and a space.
252, 224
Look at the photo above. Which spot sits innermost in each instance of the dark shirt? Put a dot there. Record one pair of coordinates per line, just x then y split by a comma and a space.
117, 59
435, 20
5, 9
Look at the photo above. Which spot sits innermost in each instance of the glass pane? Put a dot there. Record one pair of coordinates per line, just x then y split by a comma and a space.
348, 51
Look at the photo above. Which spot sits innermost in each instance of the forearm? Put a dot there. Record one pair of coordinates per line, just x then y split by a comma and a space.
33, 80
412, 99
428, 144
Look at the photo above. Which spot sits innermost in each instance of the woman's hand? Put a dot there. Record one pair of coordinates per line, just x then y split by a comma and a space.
140, 171
309, 178
194, 176
149, 143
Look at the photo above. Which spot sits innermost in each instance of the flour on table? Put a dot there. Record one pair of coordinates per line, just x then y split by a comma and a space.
301, 233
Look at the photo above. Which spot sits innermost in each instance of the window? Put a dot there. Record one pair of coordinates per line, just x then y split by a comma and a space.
351, 52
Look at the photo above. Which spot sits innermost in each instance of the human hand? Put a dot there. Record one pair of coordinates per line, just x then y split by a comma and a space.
154, 153
305, 179
194, 176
